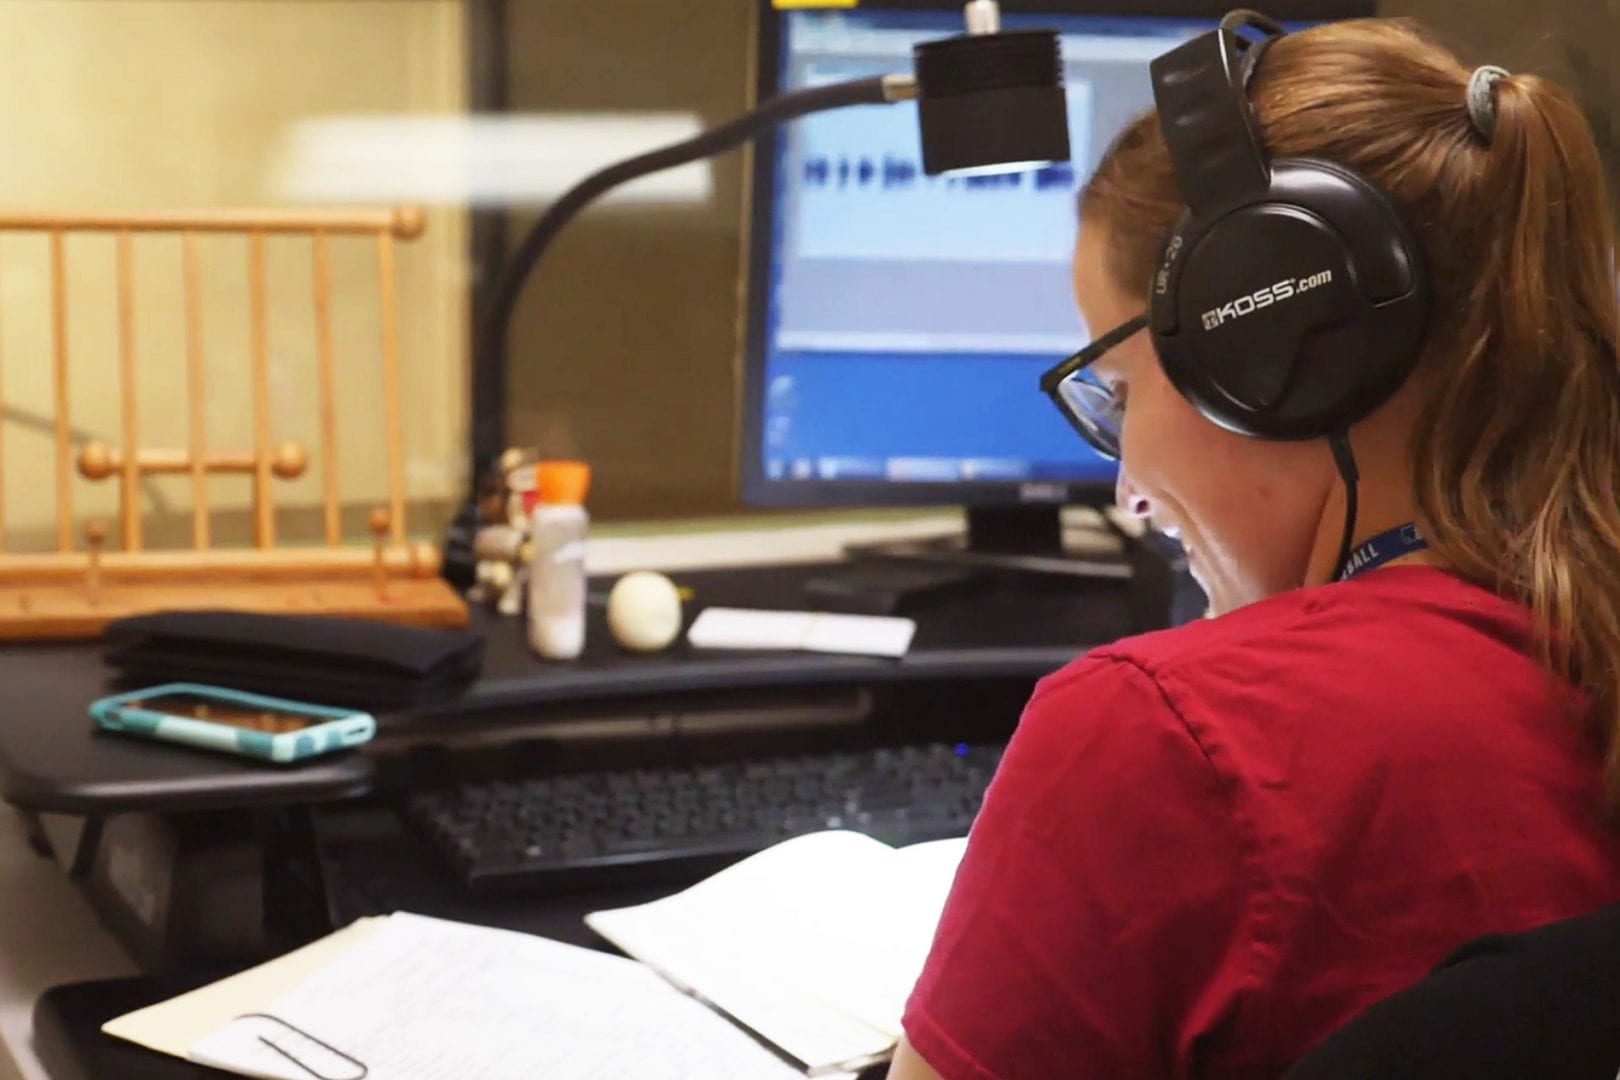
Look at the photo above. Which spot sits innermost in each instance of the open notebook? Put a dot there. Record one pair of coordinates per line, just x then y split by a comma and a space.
813, 944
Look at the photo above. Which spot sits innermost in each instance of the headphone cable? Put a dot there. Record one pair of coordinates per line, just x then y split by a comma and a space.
1346, 461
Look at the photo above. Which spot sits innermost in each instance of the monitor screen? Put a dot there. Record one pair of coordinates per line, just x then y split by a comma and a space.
899, 323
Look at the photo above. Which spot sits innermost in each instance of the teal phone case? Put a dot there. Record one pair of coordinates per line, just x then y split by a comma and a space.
343, 728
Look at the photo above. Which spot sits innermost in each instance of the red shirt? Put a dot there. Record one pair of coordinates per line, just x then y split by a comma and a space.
1208, 848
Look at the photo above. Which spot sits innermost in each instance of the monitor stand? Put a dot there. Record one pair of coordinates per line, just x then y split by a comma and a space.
1026, 538
888, 578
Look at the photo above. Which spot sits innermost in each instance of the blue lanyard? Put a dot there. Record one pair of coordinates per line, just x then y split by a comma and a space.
1383, 548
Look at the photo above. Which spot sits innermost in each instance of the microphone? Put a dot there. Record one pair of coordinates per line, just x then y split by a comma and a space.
991, 101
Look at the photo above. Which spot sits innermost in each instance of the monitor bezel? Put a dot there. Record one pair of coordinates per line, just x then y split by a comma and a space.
757, 489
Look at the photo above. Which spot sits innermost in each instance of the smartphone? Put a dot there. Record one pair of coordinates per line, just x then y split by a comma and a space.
253, 725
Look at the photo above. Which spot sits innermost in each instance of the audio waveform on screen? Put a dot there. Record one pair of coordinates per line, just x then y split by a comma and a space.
858, 191
893, 173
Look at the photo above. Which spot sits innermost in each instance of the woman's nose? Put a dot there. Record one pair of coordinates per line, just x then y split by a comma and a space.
1128, 499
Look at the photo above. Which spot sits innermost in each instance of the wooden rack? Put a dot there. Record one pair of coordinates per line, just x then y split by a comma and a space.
75, 590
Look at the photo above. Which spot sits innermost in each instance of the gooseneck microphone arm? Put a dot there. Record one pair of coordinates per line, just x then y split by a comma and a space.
489, 352
987, 101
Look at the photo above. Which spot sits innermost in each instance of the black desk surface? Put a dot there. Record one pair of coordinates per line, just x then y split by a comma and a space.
1010, 627
53, 758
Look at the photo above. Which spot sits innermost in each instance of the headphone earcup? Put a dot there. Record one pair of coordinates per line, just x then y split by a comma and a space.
1295, 314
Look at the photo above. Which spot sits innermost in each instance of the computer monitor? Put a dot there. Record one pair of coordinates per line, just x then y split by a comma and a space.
898, 324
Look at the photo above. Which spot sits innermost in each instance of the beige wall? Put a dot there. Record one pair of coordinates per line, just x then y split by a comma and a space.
184, 103
625, 347
1572, 41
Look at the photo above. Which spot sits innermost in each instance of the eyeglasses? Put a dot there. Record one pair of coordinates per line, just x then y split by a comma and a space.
1086, 403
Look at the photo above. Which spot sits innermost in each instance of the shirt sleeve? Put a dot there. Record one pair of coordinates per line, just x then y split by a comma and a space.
1094, 926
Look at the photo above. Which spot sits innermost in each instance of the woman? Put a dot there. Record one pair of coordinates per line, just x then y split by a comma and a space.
1208, 848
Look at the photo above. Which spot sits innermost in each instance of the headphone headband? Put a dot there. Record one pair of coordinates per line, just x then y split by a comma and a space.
1202, 93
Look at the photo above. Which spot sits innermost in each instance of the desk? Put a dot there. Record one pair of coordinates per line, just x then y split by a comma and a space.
49, 934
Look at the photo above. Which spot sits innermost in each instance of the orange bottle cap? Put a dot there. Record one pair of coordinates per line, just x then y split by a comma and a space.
562, 482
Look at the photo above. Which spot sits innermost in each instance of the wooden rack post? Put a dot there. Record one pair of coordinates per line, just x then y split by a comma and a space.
332, 506
390, 362
59, 384
196, 389
264, 510
129, 489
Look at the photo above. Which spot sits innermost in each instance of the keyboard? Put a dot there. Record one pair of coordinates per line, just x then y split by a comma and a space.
589, 828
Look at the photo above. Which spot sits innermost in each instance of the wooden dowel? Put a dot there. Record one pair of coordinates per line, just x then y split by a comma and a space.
328, 389
59, 372
264, 522
390, 358
97, 461
356, 563
129, 494
403, 222
196, 389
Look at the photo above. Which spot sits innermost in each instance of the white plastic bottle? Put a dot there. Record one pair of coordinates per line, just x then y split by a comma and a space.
559, 525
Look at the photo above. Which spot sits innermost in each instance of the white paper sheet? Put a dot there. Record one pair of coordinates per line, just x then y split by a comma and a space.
813, 631
814, 943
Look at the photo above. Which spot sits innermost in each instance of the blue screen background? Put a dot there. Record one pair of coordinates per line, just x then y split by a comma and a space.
909, 318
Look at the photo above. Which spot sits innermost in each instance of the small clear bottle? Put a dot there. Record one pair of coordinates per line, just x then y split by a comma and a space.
558, 528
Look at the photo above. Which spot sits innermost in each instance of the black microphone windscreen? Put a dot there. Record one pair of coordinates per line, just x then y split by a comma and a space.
992, 102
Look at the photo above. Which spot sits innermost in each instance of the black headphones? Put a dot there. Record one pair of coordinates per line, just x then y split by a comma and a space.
1293, 298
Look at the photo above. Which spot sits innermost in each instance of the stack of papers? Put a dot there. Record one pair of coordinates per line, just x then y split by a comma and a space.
411, 998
